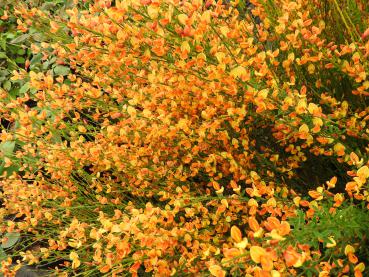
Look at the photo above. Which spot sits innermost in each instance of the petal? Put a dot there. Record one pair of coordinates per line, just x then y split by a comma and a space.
216, 271
266, 262
236, 234
256, 252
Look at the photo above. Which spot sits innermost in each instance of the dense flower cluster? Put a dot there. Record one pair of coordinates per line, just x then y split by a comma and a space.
179, 141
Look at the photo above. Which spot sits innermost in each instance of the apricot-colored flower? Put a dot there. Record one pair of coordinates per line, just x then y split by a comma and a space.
236, 234
331, 243
256, 252
293, 258
217, 271
75, 259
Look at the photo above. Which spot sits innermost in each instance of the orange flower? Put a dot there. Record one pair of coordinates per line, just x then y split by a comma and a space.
354, 158
236, 234
254, 225
331, 243
365, 34
266, 262
349, 249
332, 182
75, 259
256, 252
303, 131
272, 223
217, 271
363, 173
104, 269
339, 149
352, 258
239, 72
293, 258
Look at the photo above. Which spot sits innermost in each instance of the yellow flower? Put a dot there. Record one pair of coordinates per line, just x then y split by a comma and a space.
256, 252
363, 172
349, 249
182, 18
238, 72
242, 244
75, 259
217, 271
332, 242
236, 234
339, 149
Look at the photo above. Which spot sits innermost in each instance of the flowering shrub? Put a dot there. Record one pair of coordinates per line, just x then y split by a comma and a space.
191, 138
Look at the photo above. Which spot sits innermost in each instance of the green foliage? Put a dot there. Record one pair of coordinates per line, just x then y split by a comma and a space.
345, 225
15, 45
11, 240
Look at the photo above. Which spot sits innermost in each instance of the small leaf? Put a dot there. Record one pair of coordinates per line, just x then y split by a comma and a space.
27, 270
38, 37
48, 6
12, 239
21, 52
24, 88
7, 85
7, 147
36, 59
20, 60
53, 60
61, 70
20, 38
3, 44
45, 65
10, 35
9, 170
3, 255
4, 72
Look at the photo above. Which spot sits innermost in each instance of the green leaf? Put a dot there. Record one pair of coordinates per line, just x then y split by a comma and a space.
21, 52
3, 255
52, 60
45, 65
12, 239
20, 60
10, 35
36, 59
4, 72
48, 6
13, 48
38, 37
9, 170
7, 147
61, 70
7, 85
3, 43
24, 88
20, 38
2, 169
13, 93
3, 55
